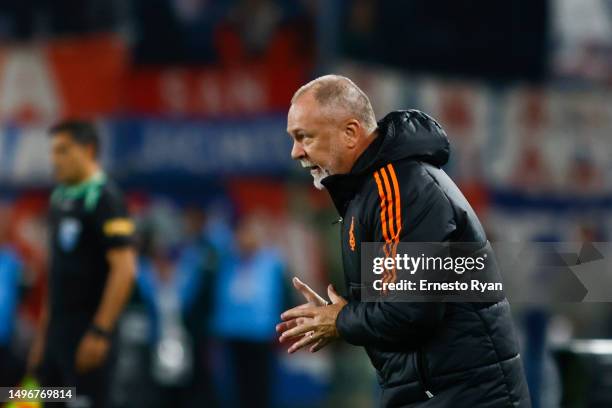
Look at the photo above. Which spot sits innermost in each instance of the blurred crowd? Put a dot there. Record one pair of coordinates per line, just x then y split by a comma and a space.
170, 31
211, 284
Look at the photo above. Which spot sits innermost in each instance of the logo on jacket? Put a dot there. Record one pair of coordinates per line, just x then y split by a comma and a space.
352, 234
68, 234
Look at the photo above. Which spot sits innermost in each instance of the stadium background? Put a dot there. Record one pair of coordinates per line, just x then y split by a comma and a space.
191, 99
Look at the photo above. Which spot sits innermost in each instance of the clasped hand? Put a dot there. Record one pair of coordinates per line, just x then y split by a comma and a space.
313, 323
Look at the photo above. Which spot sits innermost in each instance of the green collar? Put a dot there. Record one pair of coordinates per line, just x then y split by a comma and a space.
90, 189
80, 189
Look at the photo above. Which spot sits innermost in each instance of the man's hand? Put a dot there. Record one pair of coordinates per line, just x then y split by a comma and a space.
37, 350
91, 352
36, 353
314, 323
312, 299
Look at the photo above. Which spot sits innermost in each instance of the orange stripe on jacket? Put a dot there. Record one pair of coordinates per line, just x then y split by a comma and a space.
398, 206
383, 207
386, 207
389, 197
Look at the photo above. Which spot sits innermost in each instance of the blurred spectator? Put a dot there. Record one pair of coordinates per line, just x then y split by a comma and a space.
10, 277
207, 32
198, 262
360, 34
256, 21
277, 33
176, 285
176, 31
542, 376
250, 293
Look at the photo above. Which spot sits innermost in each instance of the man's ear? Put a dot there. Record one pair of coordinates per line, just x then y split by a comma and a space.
91, 151
352, 129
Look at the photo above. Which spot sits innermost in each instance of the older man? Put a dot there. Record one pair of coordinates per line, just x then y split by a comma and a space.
386, 179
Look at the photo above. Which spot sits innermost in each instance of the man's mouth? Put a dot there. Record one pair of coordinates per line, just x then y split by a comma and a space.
311, 167
314, 169
318, 173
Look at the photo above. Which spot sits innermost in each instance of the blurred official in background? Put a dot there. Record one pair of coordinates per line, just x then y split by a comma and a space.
92, 269
385, 181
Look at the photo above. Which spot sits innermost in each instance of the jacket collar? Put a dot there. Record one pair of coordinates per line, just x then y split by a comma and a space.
343, 187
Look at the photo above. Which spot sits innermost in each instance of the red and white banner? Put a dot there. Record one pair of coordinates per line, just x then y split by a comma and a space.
64, 78
92, 77
212, 91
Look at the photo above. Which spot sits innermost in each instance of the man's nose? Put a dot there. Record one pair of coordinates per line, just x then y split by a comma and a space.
297, 152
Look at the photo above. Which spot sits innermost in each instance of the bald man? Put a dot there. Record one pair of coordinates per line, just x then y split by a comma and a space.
386, 182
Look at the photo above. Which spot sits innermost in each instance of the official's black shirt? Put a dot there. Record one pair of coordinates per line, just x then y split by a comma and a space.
86, 221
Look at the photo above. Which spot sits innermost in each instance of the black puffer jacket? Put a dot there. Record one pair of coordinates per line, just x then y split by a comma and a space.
426, 354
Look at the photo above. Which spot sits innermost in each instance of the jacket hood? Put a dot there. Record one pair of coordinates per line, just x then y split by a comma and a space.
402, 135
406, 134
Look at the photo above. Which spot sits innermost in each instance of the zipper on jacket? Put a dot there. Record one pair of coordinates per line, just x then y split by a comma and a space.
338, 221
418, 364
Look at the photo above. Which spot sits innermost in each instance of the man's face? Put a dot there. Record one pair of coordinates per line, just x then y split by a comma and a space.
248, 236
68, 158
317, 139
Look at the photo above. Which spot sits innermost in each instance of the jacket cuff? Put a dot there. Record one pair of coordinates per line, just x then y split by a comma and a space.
343, 325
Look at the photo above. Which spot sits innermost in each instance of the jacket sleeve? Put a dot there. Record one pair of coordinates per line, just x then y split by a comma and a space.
425, 215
